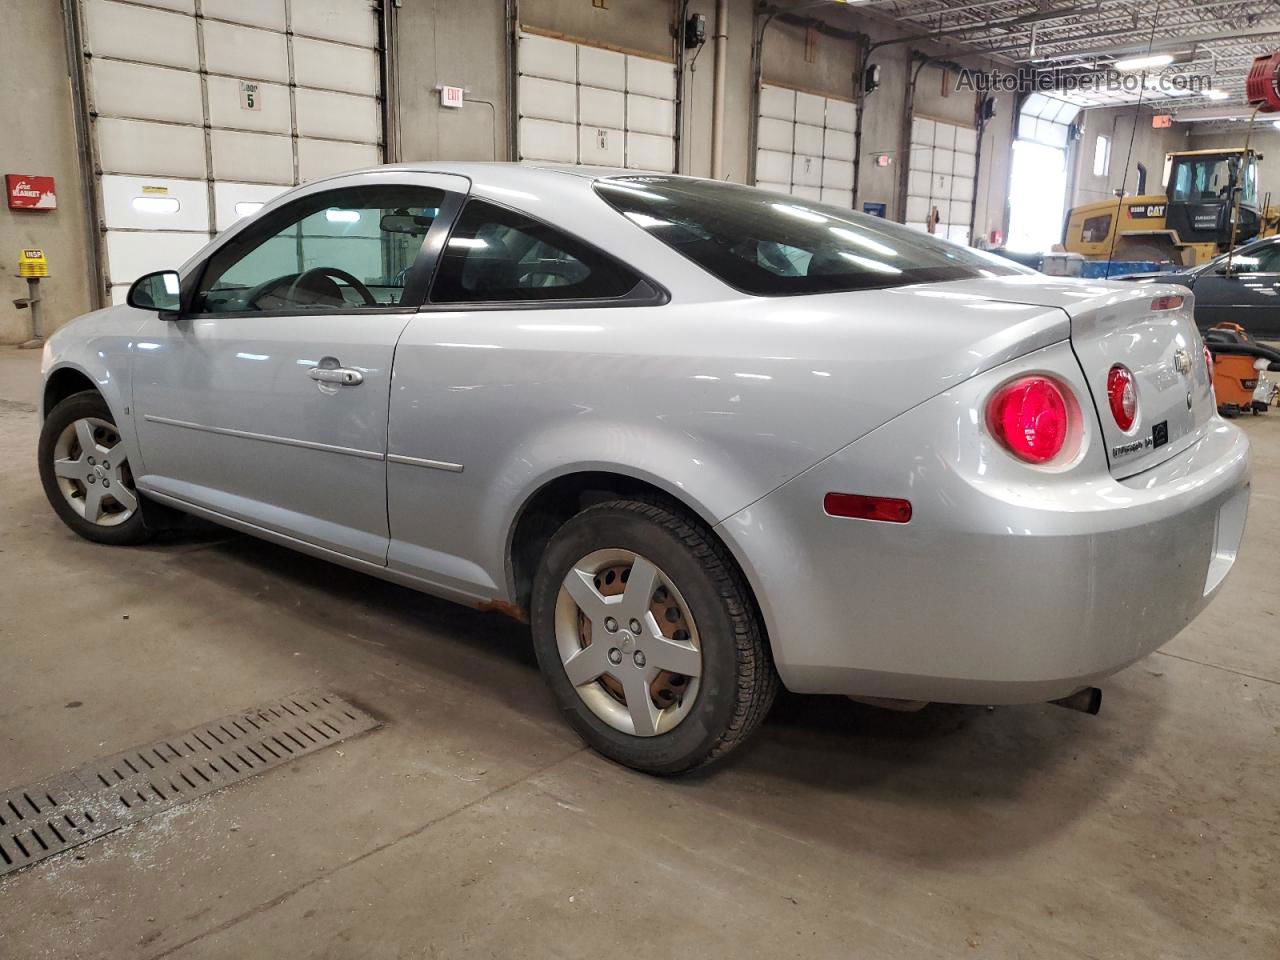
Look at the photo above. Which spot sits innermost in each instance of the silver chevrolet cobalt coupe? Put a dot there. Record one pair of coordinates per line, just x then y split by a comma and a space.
705, 438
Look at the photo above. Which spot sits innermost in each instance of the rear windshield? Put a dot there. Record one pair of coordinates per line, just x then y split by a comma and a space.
771, 244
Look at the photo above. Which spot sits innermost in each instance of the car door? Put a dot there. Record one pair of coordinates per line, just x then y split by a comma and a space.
266, 399
1249, 296
521, 315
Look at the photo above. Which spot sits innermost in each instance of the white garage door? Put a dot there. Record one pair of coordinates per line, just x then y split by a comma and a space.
204, 110
583, 104
804, 145
941, 172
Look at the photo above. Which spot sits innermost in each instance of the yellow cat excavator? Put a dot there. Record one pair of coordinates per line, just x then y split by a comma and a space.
1189, 223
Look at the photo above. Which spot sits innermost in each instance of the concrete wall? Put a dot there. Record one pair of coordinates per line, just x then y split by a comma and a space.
460, 45
1149, 147
39, 138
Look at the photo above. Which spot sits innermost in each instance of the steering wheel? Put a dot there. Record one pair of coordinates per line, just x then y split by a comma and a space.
561, 271
304, 292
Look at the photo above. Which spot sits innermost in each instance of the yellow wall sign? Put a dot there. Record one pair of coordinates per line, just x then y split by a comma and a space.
33, 264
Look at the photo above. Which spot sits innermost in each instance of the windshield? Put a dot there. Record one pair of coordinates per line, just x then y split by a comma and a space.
771, 244
1201, 179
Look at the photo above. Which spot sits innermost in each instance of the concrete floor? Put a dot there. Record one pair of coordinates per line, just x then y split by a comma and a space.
474, 824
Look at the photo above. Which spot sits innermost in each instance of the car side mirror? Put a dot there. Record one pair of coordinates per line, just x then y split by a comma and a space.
160, 291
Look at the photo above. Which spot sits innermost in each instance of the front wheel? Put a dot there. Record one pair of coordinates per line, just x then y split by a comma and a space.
649, 638
86, 474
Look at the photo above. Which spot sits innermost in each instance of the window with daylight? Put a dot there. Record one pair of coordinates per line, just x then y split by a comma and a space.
1101, 156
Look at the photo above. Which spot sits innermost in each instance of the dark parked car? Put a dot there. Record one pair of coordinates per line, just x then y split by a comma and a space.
1248, 294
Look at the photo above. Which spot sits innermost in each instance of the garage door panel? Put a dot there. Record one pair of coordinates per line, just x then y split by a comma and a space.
838, 197
335, 66
232, 201
961, 211
342, 116
967, 139
651, 115
324, 158
943, 160
921, 158
145, 92
774, 166
777, 135
805, 192
918, 182
944, 135
652, 78
113, 30
131, 254
154, 203
350, 21
922, 131
806, 171
245, 52
602, 108
778, 102
966, 164
917, 209
775, 186
259, 13
811, 109
551, 59
941, 189
838, 145
548, 99
808, 140
837, 174
137, 146
252, 157
603, 146
548, 140
226, 108
962, 188
648, 152
602, 68
841, 115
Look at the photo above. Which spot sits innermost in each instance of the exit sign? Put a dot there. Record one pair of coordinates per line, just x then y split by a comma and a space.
1162, 120
451, 96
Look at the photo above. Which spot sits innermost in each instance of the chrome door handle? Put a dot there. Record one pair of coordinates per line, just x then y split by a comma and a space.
343, 376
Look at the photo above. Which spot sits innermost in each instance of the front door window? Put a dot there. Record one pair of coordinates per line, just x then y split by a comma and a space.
339, 250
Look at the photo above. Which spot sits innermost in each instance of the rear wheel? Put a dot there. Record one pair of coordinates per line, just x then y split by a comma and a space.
649, 638
85, 472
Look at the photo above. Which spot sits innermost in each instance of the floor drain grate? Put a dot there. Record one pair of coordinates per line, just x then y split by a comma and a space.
46, 818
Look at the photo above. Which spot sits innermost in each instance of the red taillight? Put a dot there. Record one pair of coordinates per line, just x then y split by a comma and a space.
1171, 302
1122, 395
1029, 417
860, 507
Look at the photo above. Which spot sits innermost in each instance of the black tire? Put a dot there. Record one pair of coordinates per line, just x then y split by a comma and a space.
738, 682
88, 403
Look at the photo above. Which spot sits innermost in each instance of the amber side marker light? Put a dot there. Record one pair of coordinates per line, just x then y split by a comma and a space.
1172, 302
855, 505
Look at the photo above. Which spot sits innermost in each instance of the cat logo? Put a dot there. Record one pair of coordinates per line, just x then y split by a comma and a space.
1146, 211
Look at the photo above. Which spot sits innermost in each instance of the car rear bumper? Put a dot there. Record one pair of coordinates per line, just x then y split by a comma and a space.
999, 590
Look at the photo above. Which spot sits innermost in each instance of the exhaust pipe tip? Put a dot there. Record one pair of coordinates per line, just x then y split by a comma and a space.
1086, 700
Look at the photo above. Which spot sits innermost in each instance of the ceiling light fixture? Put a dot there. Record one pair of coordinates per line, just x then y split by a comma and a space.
1141, 63
1217, 94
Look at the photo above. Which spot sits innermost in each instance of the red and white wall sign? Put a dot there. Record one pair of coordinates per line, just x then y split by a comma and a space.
29, 192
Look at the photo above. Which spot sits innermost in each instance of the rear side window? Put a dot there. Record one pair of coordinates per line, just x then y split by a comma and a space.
497, 255
770, 244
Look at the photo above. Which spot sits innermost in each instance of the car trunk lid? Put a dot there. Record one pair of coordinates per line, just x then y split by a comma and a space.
1150, 329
